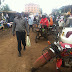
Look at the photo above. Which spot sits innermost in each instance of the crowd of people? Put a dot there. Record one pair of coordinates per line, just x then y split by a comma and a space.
4, 18
21, 25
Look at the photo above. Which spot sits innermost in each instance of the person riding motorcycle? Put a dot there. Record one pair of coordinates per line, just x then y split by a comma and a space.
44, 20
44, 24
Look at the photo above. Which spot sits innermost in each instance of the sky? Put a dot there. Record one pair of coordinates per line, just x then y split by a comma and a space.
46, 5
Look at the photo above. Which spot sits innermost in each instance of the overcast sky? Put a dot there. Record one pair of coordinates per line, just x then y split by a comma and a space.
46, 5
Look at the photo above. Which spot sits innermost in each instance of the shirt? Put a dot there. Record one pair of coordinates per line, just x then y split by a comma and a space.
44, 21
20, 24
30, 22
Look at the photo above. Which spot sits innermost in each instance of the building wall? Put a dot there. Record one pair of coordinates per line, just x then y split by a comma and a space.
33, 8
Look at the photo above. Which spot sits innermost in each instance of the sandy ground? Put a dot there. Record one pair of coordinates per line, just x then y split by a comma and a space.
9, 60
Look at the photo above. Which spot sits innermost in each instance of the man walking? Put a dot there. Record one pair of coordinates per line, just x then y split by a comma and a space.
19, 26
30, 22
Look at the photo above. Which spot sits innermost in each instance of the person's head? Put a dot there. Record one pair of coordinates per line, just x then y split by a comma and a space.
35, 17
43, 16
71, 12
19, 15
29, 17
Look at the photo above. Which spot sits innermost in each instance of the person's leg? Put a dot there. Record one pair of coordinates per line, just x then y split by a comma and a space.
29, 27
24, 39
18, 34
32, 27
46, 35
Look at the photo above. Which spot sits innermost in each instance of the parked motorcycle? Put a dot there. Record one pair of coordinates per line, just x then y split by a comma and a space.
62, 52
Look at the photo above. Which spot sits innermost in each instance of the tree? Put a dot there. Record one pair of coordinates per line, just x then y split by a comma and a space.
63, 9
1, 1
5, 8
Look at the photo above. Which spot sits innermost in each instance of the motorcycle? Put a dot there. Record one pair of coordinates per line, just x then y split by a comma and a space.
44, 31
41, 31
61, 52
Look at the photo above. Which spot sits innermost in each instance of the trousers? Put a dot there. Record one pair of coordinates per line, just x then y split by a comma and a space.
30, 26
21, 37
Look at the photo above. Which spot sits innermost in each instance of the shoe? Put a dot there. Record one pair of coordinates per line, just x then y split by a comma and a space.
19, 55
33, 70
24, 48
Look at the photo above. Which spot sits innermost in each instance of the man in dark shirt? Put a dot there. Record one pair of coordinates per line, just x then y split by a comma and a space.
19, 25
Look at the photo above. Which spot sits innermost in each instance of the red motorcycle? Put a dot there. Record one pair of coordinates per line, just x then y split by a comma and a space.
62, 52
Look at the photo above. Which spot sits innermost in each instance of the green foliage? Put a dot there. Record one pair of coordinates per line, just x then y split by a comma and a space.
5, 8
1, 1
63, 9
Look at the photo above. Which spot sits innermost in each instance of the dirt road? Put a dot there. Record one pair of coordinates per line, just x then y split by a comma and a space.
9, 60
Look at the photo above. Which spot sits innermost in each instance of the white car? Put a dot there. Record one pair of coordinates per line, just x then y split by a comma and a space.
66, 35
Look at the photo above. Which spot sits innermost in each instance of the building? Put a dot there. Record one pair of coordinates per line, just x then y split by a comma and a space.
32, 8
